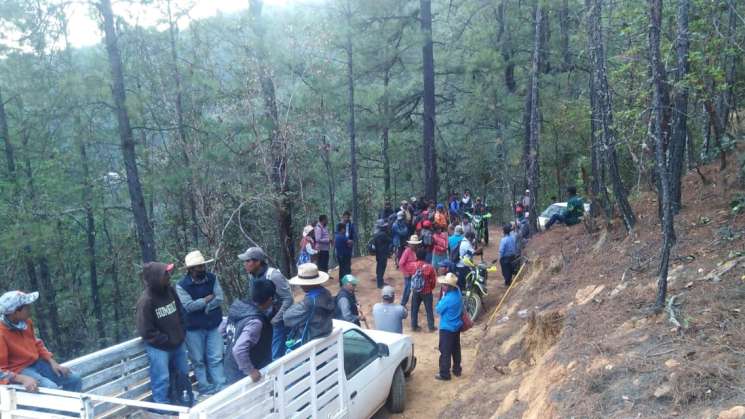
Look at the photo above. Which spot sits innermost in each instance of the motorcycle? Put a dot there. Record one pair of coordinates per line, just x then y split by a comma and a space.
475, 289
479, 224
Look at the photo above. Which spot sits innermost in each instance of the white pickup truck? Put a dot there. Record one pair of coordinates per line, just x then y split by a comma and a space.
351, 374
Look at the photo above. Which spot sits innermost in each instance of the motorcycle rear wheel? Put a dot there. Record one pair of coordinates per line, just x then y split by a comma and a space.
472, 304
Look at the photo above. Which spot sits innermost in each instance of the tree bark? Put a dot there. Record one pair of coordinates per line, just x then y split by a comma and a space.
658, 131
605, 108
431, 181
385, 135
114, 270
145, 233
566, 55
680, 102
725, 101
532, 169
351, 128
505, 38
278, 144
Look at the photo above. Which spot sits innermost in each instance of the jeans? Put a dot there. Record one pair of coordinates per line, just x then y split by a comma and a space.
558, 217
508, 268
42, 372
279, 338
160, 361
407, 291
345, 266
205, 353
323, 260
449, 348
416, 299
380, 265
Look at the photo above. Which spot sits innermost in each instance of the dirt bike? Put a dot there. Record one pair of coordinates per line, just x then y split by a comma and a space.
479, 225
475, 289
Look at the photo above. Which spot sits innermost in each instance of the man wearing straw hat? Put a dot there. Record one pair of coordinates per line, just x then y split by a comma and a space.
201, 295
407, 266
313, 316
450, 309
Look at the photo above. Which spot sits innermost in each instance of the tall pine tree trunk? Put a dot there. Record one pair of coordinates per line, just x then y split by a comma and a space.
431, 181
605, 109
680, 103
532, 169
145, 233
278, 144
351, 128
385, 135
658, 131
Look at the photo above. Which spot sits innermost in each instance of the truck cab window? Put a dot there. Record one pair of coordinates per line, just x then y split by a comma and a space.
359, 350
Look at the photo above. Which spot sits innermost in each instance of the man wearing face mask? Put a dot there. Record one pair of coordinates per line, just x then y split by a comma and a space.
201, 295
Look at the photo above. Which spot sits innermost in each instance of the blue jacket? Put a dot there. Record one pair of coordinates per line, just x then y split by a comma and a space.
450, 309
400, 232
340, 244
201, 317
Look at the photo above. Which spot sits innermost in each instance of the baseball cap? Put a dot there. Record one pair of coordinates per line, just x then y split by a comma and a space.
349, 279
388, 291
253, 253
12, 300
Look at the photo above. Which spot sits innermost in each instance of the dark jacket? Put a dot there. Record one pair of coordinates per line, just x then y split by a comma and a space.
200, 318
382, 243
283, 294
240, 314
321, 324
159, 321
352, 313
340, 245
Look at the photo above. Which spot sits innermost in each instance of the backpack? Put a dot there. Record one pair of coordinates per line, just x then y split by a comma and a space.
371, 246
417, 280
180, 391
298, 335
467, 322
455, 253
427, 237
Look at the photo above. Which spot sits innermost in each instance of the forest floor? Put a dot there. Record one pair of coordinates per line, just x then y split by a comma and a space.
577, 337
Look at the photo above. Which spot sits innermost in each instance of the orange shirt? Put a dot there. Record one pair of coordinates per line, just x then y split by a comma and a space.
20, 348
441, 220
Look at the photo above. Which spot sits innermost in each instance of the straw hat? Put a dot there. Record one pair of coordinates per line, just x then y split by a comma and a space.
308, 274
195, 258
307, 229
414, 239
448, 279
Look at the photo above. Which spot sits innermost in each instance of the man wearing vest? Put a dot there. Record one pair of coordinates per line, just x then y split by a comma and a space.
254, 261
248, 334
201, 295
346, 301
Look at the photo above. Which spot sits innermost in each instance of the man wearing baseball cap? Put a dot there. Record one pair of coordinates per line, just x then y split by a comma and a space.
23, 358
255, 264
346, 301
160, 325
387, 315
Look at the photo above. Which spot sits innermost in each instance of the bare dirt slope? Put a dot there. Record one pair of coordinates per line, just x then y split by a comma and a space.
426, 397
577, 338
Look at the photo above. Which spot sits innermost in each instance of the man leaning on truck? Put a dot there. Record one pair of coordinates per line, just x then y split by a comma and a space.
23, 358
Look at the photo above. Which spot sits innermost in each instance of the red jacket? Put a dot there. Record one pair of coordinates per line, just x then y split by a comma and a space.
430, 276
407, 263
440, 243
20, 348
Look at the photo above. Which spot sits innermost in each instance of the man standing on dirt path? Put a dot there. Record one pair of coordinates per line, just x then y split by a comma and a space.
255, 263
323, 241
423, 295
407, 266
347, 308
382, 242
387, 315
508, 253
450, 309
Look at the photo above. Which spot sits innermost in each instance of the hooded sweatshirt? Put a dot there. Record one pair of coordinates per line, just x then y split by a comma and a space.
159, 310
248, 334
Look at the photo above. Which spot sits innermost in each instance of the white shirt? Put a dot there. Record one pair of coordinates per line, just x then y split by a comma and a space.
466, 251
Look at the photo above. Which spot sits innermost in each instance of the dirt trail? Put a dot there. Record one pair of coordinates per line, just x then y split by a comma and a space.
426, 397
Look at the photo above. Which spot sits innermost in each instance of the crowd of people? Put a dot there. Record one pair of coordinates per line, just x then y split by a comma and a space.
185, 323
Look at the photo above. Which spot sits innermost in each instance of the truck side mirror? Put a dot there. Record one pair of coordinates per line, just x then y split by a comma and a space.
383, 350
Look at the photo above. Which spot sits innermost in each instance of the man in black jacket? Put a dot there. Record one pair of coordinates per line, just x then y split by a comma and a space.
382, 243
248, 334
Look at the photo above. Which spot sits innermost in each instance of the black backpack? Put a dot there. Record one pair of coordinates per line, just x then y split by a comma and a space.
455, 253
417, 280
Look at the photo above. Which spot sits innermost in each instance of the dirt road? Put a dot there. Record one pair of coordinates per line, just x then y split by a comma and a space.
426, 397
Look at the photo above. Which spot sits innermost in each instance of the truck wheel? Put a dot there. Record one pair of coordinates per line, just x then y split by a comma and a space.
397, 396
